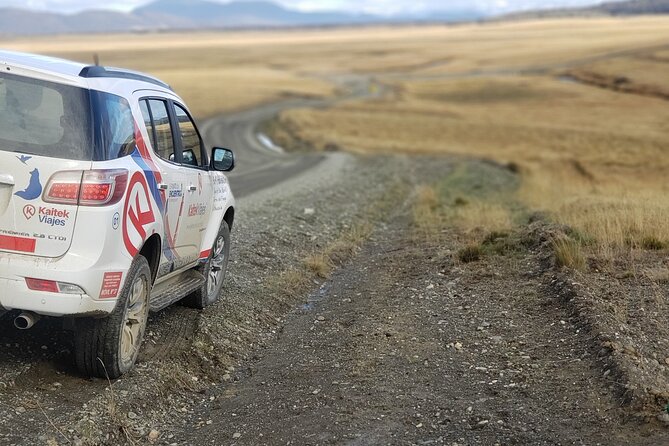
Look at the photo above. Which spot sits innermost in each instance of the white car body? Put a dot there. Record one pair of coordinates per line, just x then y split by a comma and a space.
171, 211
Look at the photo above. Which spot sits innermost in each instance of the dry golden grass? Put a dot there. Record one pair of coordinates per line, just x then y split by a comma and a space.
427, 216
482, 217
569, 253
434, 207
222, 71
322, 262
593, 157
214, 73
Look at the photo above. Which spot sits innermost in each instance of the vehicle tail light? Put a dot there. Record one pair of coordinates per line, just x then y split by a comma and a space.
51, 286
42, 285
86, 188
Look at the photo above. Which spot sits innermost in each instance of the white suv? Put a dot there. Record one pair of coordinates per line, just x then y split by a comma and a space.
109, 204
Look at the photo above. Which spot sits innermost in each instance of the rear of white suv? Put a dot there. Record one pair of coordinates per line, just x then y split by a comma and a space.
86, 203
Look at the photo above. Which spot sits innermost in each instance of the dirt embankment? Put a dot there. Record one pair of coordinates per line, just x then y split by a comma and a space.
624, 308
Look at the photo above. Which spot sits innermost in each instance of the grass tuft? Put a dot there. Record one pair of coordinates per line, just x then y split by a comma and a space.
319, 264
470, 253
568, 253
652, 243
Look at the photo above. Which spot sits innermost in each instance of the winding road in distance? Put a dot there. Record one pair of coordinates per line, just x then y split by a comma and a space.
258, 166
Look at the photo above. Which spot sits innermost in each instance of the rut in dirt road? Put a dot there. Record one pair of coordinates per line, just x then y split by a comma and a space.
406, 347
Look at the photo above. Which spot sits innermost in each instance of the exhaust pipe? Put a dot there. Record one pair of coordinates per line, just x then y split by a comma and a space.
26, 320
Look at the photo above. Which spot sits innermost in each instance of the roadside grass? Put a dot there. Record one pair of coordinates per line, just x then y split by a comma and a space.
344, 247
476, 203
318, 264
568, 253
592, 159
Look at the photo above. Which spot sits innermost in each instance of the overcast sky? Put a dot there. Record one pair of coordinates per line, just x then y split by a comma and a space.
372, 6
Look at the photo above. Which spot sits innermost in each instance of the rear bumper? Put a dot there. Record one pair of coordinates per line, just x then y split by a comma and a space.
89, 274
15, 295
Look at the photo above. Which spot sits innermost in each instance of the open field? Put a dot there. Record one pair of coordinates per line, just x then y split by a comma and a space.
231, 70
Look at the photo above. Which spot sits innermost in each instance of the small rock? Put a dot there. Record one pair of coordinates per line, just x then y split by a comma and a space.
236, 435
666, 360
20, 409
316, 392
209, 422
309, 211
430, 287
664, 417
132, 415
153, 435
457, 346
320, 319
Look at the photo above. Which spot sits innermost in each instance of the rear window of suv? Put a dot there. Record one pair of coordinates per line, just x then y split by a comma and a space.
62, 121
44, 118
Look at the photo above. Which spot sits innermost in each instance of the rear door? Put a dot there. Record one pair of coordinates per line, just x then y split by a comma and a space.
45, 128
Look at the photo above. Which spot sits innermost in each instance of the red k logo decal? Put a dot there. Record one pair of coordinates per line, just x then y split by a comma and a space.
138, 213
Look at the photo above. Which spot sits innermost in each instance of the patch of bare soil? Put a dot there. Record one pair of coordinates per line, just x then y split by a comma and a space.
404, 345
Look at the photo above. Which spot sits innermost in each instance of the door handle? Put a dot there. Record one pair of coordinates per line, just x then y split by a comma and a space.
163, 186
192, 188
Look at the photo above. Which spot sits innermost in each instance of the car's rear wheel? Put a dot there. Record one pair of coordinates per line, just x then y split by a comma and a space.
109, 347
213, 270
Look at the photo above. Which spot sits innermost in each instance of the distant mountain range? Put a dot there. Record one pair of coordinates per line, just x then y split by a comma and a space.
611, 8
163, 15
198, 14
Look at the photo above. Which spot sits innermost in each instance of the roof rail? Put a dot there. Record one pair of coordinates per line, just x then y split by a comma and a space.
98, 71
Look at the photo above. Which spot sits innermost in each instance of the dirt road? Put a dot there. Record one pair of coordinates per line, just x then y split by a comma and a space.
405, 346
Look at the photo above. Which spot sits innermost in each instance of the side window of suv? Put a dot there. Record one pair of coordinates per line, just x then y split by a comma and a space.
190, 140
148, 122
159, 128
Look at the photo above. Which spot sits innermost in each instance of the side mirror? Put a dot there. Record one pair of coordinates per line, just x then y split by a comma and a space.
222, 159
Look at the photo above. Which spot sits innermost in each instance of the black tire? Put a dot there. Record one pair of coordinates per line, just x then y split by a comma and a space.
98, 345
206, 294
